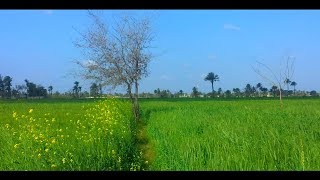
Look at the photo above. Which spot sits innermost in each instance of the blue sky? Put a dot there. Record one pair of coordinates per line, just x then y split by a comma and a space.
37, 45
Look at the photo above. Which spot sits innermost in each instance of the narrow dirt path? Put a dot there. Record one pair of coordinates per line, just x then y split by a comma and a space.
145, 145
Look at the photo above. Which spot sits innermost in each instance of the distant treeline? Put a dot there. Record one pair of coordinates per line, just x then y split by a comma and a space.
31, 90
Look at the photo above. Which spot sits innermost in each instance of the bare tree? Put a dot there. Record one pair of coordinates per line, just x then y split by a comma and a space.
117, 56
276, 80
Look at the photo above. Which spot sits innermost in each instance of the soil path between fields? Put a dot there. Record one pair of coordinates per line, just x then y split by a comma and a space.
145, 145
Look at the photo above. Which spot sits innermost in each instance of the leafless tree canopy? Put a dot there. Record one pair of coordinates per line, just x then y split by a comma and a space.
117, 55
270, 76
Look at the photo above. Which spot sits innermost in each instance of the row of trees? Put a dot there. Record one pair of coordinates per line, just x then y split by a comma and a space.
29, 89
95, 90
250, 90
32, 90
235, 92
159, 93
247, 91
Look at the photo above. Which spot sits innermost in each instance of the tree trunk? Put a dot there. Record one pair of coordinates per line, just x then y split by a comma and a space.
212, 88
130, 95
281, 97
136, 103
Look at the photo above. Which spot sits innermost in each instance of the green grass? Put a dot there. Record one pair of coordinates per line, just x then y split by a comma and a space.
67, 135
233, 135
175, 134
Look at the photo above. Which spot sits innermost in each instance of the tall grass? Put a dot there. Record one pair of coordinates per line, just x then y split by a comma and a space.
67, 136
234, 135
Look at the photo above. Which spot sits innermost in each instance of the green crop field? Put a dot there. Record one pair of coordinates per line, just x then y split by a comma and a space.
181, 134
67, 135
234, 135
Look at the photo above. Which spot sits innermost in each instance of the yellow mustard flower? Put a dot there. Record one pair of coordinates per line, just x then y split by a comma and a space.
14, 114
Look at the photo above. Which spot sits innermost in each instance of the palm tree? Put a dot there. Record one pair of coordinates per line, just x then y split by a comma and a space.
294, 86
76, 89
259, 86
274, 89
195, 92
212, 78
287, 81
248, 90
50, 90
181, 92
237, 92
264, 91
219, 91
79, 88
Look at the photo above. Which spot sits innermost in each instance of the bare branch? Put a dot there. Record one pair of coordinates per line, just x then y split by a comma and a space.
119, 57
273, 74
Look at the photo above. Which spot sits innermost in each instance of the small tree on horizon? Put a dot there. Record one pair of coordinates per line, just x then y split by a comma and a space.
1, 87
7, 82
50, 88
180, 92
94, 90
195, 92
212, 78
293, 83
76, 89
274, 90
237, 92
287, 82
259, 87
248, 90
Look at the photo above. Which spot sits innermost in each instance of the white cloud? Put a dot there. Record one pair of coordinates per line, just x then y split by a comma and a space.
48, 12
203, 75
231, 27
